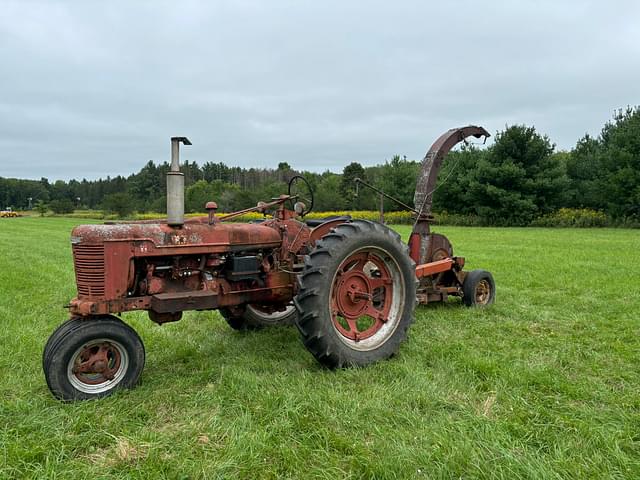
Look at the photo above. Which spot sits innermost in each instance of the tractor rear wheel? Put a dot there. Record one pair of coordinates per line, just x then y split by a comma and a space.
91, 358
254, 317
357, 295
478, 289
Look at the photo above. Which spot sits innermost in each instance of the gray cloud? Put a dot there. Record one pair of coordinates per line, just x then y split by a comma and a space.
93, 89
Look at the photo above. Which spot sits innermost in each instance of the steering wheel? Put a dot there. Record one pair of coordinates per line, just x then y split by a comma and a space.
300, 188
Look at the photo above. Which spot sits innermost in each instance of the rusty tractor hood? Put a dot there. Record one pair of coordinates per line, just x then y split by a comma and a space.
219, 236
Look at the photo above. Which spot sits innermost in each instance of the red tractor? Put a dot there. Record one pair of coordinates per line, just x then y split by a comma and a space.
350, 286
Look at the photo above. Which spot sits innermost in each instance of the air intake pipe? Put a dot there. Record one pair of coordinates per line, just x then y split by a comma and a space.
175, 185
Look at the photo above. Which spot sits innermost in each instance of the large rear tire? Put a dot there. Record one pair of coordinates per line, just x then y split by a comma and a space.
91, 358
357, 295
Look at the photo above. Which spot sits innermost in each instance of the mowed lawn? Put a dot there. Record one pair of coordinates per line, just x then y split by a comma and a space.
545, 384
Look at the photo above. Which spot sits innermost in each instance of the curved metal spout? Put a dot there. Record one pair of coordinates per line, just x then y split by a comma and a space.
423, 198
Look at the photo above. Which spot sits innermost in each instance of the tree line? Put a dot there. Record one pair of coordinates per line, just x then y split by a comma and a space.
518, 178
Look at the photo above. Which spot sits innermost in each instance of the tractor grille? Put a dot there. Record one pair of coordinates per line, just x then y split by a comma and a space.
89, 263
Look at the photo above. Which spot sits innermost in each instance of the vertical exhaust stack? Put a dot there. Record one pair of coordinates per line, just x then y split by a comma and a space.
175, 185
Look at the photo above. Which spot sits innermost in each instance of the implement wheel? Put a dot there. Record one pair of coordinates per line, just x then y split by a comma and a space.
91, 358
478, 289
357, 295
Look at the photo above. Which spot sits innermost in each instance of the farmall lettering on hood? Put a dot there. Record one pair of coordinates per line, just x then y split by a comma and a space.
350, 286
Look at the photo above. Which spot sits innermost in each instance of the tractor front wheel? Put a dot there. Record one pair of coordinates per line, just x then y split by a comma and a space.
357, 295
90, 358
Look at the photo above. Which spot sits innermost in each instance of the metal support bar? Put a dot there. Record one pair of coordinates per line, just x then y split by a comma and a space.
377, 190
428, 269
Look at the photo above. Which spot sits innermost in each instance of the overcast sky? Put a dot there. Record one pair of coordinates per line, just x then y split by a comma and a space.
90, 89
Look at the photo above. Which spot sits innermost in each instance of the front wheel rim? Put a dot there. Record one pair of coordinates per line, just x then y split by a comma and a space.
366, 300
98, 366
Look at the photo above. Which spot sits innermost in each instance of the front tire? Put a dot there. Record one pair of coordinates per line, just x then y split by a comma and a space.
357, 295
91, 358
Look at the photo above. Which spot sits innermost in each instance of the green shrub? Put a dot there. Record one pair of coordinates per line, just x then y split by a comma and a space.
565, 217
120, 204
572, 217
390, 218
42, 208
62, 206
626, 222
88, 214
459, 220
396, 218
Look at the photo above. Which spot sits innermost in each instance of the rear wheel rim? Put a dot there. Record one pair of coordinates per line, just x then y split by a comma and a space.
366, 300
98, 366
271, 316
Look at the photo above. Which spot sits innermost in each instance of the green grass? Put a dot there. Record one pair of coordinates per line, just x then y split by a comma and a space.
545, 384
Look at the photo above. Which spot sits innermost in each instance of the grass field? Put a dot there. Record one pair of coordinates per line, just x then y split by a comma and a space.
545, 384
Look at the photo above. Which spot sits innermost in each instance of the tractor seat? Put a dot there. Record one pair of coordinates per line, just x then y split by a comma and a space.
314, 222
